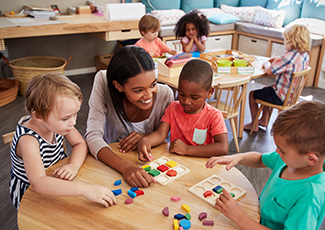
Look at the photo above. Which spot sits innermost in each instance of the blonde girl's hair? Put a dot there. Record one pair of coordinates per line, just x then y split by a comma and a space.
149, 22
298, 37
42, 90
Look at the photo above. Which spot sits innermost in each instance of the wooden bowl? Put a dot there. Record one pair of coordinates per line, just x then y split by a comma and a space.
16, 15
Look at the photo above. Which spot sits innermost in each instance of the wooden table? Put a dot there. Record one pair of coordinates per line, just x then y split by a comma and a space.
258, 72
46, 212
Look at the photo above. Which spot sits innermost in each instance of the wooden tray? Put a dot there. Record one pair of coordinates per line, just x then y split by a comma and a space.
16, 15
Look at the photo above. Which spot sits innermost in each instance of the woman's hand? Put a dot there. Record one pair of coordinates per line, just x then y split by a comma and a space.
130, 142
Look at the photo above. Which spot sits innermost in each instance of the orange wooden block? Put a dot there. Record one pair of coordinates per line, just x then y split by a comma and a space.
171, 173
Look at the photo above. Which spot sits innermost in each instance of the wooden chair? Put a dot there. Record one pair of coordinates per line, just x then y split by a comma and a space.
229, 97
178, 46
299, 80
8, 137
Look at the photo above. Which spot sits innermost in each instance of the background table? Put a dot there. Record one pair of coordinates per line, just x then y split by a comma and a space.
47, 212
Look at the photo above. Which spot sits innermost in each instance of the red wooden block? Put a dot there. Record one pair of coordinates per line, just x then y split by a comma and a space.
139, 192
128, 201
171, 173
207, 193
162, 168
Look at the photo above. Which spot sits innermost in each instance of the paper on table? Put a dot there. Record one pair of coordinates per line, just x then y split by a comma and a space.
12, 22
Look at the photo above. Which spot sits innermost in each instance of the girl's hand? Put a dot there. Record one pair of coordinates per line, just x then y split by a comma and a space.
66, 172
137, 177
229, 206
178, 147
130, 142
144, 150
230, 161
99, 194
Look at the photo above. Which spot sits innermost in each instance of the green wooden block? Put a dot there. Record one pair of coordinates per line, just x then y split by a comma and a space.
154, 172
232, 194
147, 168
188, 216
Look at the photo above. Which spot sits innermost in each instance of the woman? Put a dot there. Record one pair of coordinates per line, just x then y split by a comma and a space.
125, 104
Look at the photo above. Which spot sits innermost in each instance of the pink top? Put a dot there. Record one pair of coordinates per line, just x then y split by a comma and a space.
194, 129
157, 46
194, 46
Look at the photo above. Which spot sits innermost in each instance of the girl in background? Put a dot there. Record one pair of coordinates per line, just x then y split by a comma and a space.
193, 29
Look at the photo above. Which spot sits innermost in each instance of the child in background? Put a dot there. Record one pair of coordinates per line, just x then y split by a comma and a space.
196, 128
297, 44
293, 197
52, 101
193, 29
149, 27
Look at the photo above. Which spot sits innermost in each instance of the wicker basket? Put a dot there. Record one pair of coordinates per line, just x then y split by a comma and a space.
8, 91
26, 68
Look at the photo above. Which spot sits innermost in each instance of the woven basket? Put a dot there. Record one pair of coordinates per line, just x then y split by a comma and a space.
8, 91
26, 68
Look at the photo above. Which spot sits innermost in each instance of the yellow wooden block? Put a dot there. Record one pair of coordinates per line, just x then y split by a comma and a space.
176, 225
171, 164
186, 208
145, 166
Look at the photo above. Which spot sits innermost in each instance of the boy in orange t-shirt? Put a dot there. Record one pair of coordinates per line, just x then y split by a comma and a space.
149, 27
196, 128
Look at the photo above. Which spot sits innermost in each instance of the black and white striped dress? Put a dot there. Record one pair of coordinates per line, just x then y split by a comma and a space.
50, 154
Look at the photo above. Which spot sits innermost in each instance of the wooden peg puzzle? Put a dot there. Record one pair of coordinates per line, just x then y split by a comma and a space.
165, 170
215, 184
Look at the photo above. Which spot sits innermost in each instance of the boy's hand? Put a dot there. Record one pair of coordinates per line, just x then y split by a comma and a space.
229, 206
66, 172
178, 147
138, 177
230, 161
129, 143
144, 150
99, 194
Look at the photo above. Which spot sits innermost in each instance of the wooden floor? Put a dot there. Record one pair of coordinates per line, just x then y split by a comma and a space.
261, 141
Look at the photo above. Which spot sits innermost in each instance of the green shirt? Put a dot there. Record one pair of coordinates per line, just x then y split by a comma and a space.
291, 204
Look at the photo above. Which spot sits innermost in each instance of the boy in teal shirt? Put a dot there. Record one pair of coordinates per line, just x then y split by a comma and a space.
294, 195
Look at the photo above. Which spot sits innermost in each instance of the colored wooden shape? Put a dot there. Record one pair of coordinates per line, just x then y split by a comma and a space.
202, 215
188, 216
147, 168
186, 208
117, 192
186, 224
162, 168
132, 194
165, 211
208, 222
218, 189
171, 173
117, 182
139, 192
179, 216
154, 172
207, 193
232, 194
171, 164
176, 225
133, 189
175, 198
128, 201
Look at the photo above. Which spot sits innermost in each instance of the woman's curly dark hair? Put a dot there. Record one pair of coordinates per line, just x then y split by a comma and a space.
198, 19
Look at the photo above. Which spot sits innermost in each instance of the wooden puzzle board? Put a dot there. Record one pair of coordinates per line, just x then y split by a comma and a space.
211, 182
163, 178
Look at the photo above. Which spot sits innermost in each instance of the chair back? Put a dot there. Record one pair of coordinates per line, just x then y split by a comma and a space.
296, 86
178, 46
229, 96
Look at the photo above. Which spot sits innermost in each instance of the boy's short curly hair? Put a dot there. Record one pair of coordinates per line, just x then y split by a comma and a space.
148, 22
298, 37
303, 126
196, 18
42, 91
198, 71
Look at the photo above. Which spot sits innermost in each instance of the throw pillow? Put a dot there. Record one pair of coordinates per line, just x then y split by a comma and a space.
270, 18
168, 17
223, 18
313, 9
243, 13
188, 5
315, 26
161, 5
211, 11
217, 3
261, 3
292, 8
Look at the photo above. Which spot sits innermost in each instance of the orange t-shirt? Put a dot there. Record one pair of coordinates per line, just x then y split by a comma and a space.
158, 47
194, 129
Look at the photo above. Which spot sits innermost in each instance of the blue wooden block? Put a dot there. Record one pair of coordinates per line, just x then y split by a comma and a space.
117, 192
179, 216
218, 189
134, 189
117, 182
132, 194
186, 224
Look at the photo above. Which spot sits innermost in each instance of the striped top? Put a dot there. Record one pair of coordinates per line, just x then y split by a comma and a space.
50, 154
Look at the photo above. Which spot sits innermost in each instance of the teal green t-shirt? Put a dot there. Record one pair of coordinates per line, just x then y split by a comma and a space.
291, 204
